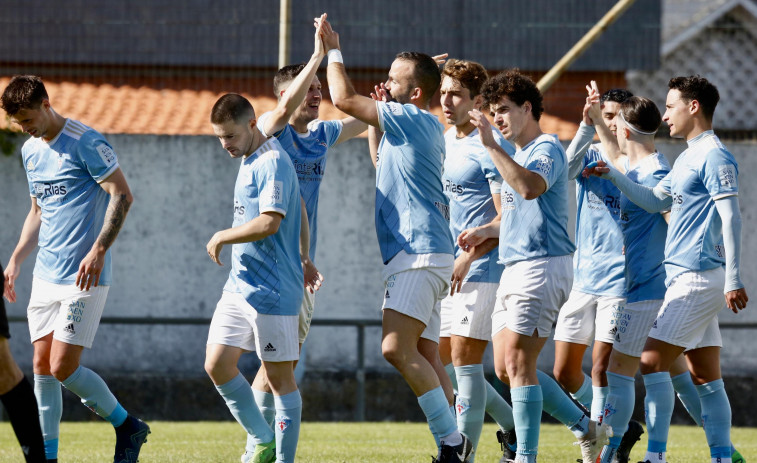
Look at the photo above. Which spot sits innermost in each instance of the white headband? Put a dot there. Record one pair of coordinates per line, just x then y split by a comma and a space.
632, 128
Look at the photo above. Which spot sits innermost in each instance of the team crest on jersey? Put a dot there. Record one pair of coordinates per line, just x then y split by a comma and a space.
30, 165
727, 176
395, 108
544, 164
283, 423
106, 153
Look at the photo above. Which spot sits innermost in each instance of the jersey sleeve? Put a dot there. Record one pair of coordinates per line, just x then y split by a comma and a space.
720, 174
97, 155
394, 117
261, 124
24, 161
331, 130
664, 184
491, 173
273, 182
546, 163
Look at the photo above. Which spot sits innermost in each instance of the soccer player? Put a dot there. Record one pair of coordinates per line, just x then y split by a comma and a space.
598, 266
704, 236
472, 185
412, 227
17, 397
535, 249
79, 200
259, 307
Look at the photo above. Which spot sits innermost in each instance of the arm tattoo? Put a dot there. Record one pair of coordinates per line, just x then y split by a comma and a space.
114, 220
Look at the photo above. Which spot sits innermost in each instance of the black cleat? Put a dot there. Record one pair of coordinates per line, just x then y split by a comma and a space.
508, 443
460, 453
129, 439
632, 435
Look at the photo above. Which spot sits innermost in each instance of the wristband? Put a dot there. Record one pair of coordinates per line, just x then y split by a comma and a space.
335, 56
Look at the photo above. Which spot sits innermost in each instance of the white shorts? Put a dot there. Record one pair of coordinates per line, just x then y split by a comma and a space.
469, 311
306, 314
586, 317
445, 314
634, 323
530, 295
416, 293
236, 323
71, 314
689, 315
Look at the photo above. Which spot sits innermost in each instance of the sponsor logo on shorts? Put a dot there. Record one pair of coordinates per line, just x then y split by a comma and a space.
283, 423
465, 321
386, 296
269, 348
462, 406
69, 328
75, 311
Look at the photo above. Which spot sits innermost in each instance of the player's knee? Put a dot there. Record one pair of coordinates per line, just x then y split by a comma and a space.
565, 375
599, 369
61, 369
501, 372
213, 369
393, 354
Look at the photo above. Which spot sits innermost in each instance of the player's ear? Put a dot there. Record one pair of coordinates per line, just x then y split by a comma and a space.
252, 123
478, 101
526, 106
417, 94
694, 107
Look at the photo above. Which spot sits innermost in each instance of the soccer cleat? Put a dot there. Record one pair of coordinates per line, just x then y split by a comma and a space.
460, 453
593, 441
736, 457
264, 453
632, 435
508, 443
129, 439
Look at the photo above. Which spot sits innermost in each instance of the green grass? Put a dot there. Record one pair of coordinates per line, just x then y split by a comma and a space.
338, 442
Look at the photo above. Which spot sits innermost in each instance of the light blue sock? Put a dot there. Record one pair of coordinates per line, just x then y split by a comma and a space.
584, 393
619, 405
471, 401
498, 408
558, 404
435, 407
688, 395
597, 408
450, 369
658, 409
288, 417
94, 393
716, 418
238, 397
50, 403
267, 407
527, 408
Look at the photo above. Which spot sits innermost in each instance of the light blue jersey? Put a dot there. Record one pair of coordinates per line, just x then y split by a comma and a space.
308, 153
412, 213
63, 175
268, 272
598, 265
644, 235
703, 173
537, 227
470, 178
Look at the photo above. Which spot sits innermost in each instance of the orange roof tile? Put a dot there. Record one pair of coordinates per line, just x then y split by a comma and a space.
177, 106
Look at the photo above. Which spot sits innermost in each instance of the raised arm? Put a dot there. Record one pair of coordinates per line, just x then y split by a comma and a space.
735, 293
295, 94
651, 200
606, 137
343, 94
120, 202
351, 128
529, 185
26, 244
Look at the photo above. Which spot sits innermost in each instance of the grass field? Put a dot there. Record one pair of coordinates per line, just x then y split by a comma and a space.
339, 442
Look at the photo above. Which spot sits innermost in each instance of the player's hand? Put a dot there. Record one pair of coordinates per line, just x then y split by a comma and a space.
320, 48
329, 37
462, 266
480, 121
736, 300
214, 247
380, 93
440, 59
313, 278
592, 109
595, 168
90, 269
10, 274
472, 237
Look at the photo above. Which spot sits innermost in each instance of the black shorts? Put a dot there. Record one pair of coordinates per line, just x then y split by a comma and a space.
4, 331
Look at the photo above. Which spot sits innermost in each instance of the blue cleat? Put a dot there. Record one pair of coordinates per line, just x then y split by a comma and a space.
129, 439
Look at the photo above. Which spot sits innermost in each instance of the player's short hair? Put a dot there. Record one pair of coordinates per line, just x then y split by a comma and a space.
23, 92
515, 86
617, 95
700, 89
286, 75
232, 107
426, 75
470, 74
641, 113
